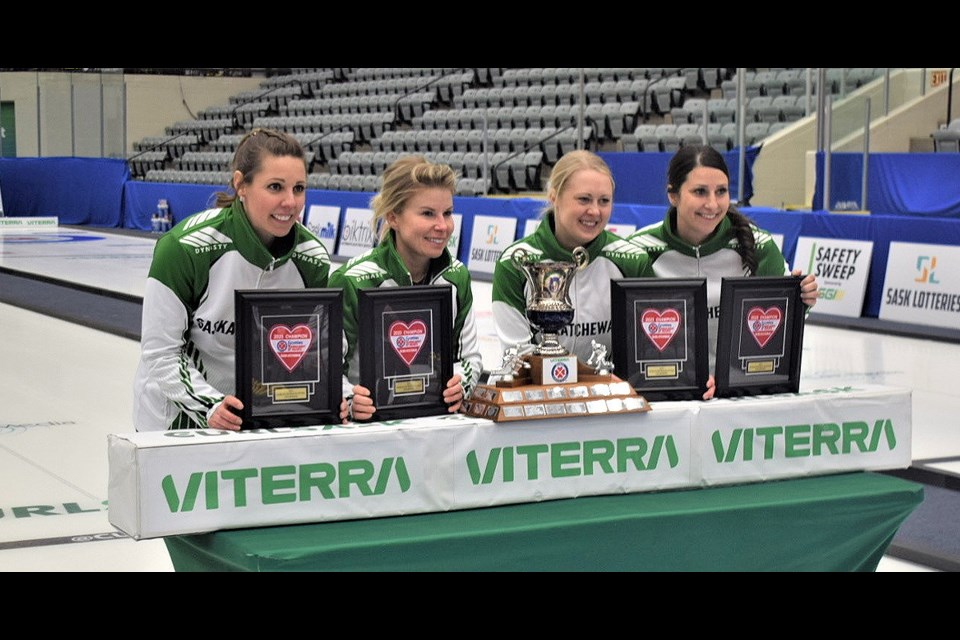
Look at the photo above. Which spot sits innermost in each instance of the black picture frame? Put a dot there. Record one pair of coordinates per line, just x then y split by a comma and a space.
289, 356
659, 336
759, 336
406, 349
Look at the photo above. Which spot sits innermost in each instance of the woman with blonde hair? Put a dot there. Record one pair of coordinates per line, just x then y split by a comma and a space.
580, 195
414, 212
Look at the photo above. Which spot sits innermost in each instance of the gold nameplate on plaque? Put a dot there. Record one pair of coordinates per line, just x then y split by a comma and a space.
408, 386
761, 366
661, 371
289, 394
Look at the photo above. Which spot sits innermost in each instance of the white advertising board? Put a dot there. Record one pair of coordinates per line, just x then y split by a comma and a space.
453, 244
491, 235
841, 268
922, 285
357, 235
324, 221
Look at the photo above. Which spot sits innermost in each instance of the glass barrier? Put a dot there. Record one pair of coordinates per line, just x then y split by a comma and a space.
886, 89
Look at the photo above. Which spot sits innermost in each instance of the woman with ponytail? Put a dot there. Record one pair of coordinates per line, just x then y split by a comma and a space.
703, 235
252, 238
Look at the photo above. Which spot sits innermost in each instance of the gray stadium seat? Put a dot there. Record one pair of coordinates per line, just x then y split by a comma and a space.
667, 135
518, 137
501, 139
594, 115
456, 161
948, 138
500, 170
756, 131
696, 107
568, 139
448, 140
472, 164
647, 137
475, 140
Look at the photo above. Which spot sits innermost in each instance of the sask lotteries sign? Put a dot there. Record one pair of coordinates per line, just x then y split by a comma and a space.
922, 285
491, 235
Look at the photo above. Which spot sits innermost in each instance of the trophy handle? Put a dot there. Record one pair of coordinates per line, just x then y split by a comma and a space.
581, 257
518, 257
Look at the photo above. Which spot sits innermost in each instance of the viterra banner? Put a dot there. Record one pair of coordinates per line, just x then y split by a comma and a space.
182, 482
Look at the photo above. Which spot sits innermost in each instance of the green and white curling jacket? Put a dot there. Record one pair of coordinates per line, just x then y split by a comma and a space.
382, 266
188, 341
714, 260
610, 257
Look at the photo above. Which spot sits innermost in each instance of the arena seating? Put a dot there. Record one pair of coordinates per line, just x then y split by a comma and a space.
515, 122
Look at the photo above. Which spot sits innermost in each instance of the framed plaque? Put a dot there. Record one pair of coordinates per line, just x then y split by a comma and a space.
659, 333
760, 336
289, 356
406, 349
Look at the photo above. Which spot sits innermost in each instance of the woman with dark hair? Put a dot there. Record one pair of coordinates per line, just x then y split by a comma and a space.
703, 235
251, 239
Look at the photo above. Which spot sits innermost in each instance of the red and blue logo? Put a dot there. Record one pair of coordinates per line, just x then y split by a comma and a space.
560, 372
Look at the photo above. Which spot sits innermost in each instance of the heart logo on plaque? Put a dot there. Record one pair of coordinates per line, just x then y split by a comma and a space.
408, 339
764, 323
290, 344
660, 326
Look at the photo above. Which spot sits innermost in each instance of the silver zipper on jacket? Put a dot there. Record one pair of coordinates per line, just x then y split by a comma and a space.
267, 269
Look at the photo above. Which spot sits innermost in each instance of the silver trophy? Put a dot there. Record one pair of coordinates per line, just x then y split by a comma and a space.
549, 308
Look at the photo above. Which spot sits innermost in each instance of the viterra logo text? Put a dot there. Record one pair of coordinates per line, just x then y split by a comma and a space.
286, 483
805, 440
567, 459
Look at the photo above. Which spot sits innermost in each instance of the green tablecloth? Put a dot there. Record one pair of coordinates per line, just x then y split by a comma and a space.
840, 522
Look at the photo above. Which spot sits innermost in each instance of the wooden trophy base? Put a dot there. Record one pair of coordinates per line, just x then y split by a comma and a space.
524, 398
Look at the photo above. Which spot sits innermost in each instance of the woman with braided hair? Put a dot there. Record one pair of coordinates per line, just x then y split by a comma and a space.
703, 235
